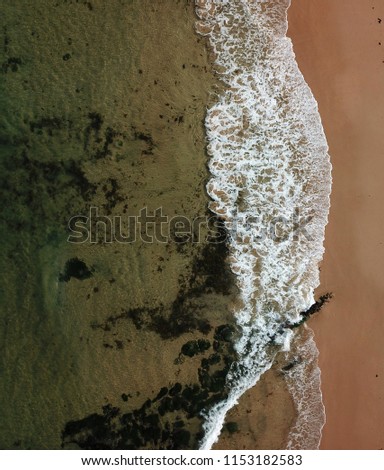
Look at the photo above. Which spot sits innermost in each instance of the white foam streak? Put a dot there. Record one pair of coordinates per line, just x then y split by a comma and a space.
270, 181
304, 384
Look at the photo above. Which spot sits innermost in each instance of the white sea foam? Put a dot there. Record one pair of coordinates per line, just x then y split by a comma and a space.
270, 167
303, 382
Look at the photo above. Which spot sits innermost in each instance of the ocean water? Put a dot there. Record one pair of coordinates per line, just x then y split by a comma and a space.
96, 113
271, 183
130, 346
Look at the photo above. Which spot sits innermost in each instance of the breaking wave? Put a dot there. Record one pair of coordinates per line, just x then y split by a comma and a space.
271, 181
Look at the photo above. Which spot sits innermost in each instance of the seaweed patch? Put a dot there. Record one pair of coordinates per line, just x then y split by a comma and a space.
75, 268
172, 419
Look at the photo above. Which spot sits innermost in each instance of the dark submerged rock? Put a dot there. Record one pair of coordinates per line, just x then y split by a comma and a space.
231, 427
192, 348
77, 269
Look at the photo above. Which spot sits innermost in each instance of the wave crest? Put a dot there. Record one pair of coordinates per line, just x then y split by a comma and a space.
270, 174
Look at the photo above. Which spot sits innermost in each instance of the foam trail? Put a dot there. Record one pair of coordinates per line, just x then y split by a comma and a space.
271, 180
303, 381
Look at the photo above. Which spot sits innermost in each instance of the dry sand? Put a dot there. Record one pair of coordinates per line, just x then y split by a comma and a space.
338, 49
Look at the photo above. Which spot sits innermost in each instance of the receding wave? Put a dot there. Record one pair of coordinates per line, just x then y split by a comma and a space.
303, 382
271, 181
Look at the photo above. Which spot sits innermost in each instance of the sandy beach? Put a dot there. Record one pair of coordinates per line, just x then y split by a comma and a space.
340, 50
109, 345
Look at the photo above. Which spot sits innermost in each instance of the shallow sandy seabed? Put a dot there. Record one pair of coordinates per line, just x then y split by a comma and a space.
98, 114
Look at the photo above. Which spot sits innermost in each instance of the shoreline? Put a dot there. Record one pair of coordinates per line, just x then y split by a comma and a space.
237, 412
338, 49
103, 318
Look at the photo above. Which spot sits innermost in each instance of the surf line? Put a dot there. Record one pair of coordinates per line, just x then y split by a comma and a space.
268, 159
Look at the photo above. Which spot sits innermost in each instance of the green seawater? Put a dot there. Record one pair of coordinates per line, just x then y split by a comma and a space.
106, 345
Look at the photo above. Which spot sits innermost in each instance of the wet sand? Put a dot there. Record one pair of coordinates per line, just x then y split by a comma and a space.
264, 415
121, 123
340, 50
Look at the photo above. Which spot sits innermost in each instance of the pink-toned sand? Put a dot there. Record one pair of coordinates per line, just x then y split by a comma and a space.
337, 44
